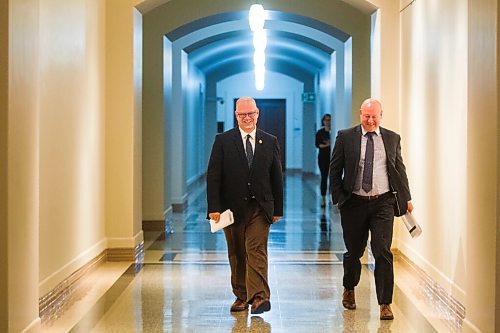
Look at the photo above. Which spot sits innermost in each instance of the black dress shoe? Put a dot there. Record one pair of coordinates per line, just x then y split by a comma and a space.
260, 305
239, 305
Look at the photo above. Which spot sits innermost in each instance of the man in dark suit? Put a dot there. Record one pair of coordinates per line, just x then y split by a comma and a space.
368, 182
244, 175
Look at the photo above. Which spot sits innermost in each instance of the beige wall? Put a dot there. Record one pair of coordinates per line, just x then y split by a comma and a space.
433, 128
61, 153
22, 168
482, 167
385, 66
4, 101
450, 128
497, 270
123, 124
72, 137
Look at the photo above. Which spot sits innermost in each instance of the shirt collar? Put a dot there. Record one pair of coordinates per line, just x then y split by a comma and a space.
377, 131
244, 134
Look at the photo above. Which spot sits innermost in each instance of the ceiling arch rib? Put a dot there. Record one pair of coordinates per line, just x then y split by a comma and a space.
286, 68
213, 20
214, 55
272, 34
273, 15
278, 63
302, 44
367, 7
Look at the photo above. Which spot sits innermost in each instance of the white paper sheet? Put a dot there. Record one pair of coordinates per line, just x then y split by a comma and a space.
411, 224
226, 218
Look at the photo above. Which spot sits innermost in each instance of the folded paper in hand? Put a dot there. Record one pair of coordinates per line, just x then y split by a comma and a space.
226, 218
411, 224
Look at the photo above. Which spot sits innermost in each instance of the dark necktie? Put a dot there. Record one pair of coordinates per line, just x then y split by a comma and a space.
368, 168
249, 151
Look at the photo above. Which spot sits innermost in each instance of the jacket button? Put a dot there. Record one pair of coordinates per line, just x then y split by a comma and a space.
249, 184
253, 196
245, 198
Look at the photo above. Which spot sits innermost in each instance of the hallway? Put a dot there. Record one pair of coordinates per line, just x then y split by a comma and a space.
109, 110
183, 283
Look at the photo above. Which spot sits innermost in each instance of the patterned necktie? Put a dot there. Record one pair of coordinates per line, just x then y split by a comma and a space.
249, 151
368, 167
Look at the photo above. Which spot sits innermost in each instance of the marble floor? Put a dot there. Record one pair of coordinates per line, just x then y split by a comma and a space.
182, 285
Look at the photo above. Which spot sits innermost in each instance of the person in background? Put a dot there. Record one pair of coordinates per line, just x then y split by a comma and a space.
368, 182
323, 145
244, 175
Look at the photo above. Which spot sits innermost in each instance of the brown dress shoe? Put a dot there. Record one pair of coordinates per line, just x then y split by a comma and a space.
386, 312
239, 305
348, 299
260, 305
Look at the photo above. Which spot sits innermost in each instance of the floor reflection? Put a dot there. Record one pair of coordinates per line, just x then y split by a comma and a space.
255, 324
184, 283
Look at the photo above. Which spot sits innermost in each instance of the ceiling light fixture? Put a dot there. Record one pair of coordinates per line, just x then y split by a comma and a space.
259, 58
256, 19
260, 40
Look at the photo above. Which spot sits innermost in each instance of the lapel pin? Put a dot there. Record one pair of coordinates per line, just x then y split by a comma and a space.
260, 141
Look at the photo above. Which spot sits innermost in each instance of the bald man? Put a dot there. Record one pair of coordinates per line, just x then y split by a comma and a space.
368, 182
244, 174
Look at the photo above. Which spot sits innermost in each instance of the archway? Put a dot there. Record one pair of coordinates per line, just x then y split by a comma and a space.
299, 41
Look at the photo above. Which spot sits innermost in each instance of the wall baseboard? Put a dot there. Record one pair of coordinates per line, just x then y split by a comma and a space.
179, 207
52, 304
448, 283
453, 307
34, 327
154, 225
125, 253
169, 221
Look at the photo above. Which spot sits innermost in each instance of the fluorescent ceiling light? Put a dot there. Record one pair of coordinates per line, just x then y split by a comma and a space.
256, 17
259, 58
260, 40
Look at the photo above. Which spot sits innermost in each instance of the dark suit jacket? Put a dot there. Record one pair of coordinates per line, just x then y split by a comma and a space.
231, 184
345, 162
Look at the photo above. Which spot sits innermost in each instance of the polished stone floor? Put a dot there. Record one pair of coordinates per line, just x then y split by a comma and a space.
183, 285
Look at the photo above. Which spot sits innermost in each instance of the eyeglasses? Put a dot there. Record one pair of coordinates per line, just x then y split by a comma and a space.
243, 115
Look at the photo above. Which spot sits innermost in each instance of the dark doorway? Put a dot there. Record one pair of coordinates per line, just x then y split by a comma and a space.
272, 119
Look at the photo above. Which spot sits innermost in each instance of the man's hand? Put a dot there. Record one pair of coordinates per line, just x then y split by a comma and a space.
410, 206
276, 218
214, 216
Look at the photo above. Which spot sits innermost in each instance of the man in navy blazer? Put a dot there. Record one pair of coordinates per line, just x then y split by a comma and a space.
244, 175
369, 199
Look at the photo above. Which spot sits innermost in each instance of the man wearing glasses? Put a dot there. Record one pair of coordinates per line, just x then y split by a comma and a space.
244, 175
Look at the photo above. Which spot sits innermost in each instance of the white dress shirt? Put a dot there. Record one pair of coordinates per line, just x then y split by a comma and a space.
380, 176
252, 139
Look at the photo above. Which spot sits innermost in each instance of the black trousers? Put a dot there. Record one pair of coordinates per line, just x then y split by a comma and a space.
324, 167
358, 217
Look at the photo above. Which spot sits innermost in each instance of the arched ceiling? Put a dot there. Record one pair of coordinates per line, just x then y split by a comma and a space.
221, 45
238, 50
365, 6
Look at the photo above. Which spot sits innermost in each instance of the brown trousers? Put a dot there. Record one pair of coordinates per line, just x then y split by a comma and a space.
247, 252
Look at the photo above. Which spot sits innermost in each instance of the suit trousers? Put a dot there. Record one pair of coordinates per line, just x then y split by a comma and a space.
358, 217
247, 252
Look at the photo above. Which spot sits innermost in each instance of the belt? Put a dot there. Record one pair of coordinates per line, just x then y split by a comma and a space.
370, 197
